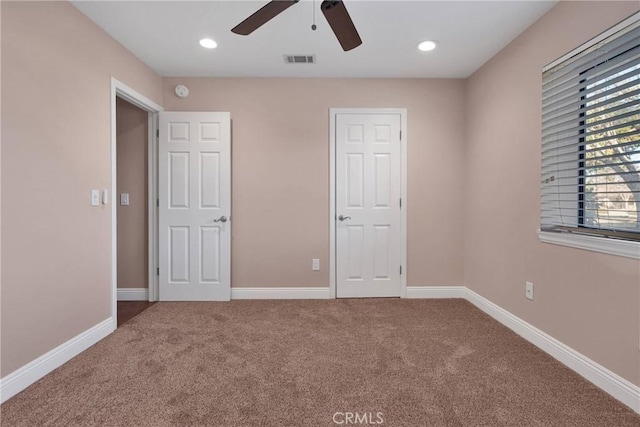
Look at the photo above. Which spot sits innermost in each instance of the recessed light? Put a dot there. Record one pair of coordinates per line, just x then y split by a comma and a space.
208, 43
427, 45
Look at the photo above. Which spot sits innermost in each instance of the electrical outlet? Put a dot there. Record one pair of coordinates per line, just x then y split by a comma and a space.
315, 264
528, 290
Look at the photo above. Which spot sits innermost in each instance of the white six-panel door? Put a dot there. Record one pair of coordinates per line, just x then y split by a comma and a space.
368, 211
194, 187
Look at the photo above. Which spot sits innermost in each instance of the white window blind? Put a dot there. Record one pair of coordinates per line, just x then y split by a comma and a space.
591, 137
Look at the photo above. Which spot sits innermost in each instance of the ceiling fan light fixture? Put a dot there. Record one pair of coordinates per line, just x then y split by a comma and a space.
208, 43
427, 45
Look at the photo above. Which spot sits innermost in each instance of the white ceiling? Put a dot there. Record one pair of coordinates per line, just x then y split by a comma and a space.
165, 35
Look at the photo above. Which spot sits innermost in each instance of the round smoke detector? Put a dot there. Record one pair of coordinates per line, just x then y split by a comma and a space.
182, 91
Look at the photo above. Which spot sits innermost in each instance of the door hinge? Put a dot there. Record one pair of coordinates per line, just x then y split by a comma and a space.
157, 133
158, 202
401, 270
158, 271
400, 135
400, 202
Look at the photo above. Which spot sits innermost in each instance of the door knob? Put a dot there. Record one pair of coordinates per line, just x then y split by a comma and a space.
221, 219
342, 217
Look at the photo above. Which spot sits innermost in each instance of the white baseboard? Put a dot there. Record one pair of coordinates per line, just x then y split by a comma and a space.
613, 384
280, 293
23, 377
133, 294
435, 291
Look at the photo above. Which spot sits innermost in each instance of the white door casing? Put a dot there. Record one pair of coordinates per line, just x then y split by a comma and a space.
194, 190
369, 239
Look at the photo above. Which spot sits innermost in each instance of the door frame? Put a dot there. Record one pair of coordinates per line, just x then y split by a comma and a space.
333, 112
121, 90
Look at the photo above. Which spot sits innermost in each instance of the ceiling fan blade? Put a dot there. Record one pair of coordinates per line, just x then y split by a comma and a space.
262, 16
341, 24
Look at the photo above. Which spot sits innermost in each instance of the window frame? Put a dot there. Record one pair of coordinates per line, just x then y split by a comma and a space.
625, 243
611, 246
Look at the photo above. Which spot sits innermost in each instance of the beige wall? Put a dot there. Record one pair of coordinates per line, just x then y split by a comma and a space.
131, 149
587, 300
0, 184
280, 171
56, 69
56, 66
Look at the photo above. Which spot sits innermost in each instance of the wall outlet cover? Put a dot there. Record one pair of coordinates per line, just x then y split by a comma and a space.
528, 290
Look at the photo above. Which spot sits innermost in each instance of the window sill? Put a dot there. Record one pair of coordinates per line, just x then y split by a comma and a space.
623, 248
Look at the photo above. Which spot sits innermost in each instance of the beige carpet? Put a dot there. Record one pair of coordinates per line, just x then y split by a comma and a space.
298, 363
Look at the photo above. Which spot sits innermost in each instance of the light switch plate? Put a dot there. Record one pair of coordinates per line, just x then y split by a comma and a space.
315, 264
95, 197
124, 199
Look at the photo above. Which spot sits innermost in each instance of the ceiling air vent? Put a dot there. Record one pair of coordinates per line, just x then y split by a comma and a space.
299, 59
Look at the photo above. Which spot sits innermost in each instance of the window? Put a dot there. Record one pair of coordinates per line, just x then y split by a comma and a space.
590, 182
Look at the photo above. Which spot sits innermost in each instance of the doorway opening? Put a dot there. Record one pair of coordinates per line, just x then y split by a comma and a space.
133, 194
132, 210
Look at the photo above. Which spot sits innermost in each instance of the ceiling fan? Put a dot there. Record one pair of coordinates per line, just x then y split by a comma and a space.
334, 11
